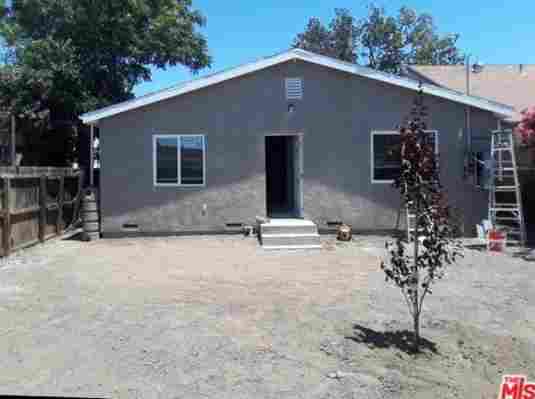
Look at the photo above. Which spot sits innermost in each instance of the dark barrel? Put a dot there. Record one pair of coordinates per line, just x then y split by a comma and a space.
90, 220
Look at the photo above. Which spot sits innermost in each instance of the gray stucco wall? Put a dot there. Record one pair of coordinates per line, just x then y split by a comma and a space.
336, 116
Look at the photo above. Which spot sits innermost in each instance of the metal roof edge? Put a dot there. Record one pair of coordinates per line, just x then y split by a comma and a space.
303, 55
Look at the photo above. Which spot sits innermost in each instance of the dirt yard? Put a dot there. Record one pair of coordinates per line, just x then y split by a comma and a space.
218, 317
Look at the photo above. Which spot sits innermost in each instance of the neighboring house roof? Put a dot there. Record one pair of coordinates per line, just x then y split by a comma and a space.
294, 54
513, 85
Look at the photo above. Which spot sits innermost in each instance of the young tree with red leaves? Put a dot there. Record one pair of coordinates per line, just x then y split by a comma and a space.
434, 245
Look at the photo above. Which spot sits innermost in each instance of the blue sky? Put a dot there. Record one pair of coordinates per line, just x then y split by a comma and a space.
493, 31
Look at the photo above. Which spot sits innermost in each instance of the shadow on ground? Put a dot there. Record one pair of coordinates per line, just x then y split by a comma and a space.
400, 339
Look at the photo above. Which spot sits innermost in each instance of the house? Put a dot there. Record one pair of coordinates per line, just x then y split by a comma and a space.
513, 85
293, 136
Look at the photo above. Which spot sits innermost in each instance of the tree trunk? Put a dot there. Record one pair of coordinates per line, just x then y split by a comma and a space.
416, 281
416, 324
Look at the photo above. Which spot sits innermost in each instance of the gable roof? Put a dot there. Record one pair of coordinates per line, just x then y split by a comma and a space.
513, 85
294, 54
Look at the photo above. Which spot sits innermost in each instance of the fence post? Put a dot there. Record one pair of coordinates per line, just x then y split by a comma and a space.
12, 141
80, 181
61, 192
6, 204
42, 208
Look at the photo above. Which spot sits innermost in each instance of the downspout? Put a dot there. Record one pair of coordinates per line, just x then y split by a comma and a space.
91, 154
468, 124
468, 127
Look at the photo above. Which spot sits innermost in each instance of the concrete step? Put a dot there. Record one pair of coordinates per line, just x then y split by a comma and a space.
286, 247
285, 226
291, 240
289, 234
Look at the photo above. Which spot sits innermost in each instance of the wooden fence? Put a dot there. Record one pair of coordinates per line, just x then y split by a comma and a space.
37, 204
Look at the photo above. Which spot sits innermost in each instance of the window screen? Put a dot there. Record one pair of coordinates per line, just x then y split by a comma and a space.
386, 156
166, 160
191, 159
179, 160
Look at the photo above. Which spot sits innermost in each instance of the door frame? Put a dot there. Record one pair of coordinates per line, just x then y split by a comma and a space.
298, 161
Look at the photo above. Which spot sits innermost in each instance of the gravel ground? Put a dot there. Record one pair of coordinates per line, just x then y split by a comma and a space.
218, 317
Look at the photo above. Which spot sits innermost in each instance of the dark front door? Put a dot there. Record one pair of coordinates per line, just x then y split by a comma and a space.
280, 176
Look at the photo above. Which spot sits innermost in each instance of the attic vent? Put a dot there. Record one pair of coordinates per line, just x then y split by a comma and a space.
294, 88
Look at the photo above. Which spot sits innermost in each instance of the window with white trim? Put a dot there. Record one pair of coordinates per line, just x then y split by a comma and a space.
179, 160
386, 157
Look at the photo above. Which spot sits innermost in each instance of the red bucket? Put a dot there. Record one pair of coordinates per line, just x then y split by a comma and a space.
497, 240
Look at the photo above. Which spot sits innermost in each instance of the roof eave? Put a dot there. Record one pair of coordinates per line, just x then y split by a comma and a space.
294, 54
197, 84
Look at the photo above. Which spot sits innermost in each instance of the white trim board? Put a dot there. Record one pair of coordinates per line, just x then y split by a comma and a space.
296, 54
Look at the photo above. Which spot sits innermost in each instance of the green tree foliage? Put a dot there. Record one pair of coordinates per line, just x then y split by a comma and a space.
87, 53
388, 42
381, 41
67, 57
315, 38
338, 40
